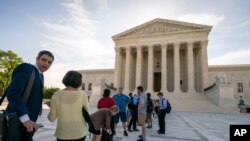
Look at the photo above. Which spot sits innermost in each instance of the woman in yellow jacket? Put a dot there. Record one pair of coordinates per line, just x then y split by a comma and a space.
66, 106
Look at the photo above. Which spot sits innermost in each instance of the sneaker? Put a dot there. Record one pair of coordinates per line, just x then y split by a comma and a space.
125, 133
161, 132
136, 130
140, 138
149, 126
130, 130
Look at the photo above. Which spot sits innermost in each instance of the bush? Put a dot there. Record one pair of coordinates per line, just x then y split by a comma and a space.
48, 92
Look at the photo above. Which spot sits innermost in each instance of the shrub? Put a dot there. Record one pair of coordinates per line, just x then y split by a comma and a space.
48, 92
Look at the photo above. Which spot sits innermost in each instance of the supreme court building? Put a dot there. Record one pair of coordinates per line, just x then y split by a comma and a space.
162, 55
168, 56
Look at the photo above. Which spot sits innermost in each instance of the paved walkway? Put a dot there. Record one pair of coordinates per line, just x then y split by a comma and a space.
180, 126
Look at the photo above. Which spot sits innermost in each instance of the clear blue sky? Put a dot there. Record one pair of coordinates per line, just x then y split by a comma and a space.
79, 32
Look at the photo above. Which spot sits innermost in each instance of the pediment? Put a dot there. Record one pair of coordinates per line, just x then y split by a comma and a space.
161, 26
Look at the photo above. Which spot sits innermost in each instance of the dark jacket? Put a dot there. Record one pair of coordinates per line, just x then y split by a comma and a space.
20, 78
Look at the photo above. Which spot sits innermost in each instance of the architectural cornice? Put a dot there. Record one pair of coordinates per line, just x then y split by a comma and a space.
160, 34
238, 67
96, 71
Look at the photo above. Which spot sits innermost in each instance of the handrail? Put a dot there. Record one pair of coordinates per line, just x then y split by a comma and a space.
210, 87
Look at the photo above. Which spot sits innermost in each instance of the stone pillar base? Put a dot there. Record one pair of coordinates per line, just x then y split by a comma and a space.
192, 91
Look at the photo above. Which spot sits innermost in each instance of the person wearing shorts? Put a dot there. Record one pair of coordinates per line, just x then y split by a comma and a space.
122, 101
142, 112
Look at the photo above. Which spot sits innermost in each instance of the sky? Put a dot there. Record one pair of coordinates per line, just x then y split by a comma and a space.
79, 32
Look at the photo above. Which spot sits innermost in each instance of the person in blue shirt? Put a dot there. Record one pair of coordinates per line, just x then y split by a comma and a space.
121, 101
162, 113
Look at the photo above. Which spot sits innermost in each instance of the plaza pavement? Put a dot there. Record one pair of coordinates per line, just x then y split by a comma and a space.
180, 126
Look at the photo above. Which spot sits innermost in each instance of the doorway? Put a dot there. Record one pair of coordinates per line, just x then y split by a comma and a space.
157, 81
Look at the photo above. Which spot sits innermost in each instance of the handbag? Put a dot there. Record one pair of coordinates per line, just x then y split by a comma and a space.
87, 118
3, 116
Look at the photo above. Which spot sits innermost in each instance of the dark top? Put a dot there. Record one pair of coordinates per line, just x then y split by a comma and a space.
20, 78
101, 118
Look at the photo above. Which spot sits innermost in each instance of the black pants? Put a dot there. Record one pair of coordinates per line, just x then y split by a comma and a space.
16, 130
134, 118
112, 125
81, 139
161, 120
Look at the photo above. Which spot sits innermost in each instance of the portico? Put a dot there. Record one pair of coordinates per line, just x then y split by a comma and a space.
162, 55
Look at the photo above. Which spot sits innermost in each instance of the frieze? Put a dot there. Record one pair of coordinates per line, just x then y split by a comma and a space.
160, 28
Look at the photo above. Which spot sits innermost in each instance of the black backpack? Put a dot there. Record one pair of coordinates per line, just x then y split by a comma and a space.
169, 108
150, 106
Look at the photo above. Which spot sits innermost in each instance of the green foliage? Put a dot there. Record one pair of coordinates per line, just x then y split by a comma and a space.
8, 61
48, 92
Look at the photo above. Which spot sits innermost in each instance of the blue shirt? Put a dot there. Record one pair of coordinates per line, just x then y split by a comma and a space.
163, 103
121, 101
135, 99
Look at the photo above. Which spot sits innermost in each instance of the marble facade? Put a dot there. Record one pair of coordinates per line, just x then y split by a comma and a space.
169, 56
162, 55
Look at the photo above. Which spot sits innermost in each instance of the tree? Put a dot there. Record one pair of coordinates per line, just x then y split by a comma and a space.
8, 61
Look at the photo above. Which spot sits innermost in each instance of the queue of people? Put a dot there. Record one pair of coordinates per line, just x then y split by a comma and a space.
66, 106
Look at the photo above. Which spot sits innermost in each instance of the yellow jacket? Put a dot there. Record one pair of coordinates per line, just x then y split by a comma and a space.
66, 107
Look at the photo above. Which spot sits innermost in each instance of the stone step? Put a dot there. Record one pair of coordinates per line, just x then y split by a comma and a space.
197, 103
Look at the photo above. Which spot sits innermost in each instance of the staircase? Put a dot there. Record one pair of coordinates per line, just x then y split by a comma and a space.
196, 102
188, 102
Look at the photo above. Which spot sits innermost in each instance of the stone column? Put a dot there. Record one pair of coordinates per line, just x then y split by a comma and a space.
127, 71
177, 68
117, 68
164, 68
138, 66
150, 68
190, 66
204, 64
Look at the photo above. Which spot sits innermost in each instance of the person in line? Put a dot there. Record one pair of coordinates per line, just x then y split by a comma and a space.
241, 105
130, 106
121, 100
162, 113
150, 108
107, 102
134, 114
66, 106
142, 112
101, 119
22, 116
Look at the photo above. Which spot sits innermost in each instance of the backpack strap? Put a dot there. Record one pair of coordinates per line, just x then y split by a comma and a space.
26, 93
3, 96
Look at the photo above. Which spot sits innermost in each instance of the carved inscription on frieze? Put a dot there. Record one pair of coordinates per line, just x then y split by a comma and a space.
159, 28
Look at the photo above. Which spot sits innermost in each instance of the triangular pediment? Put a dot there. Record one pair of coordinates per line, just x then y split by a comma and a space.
162, 26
